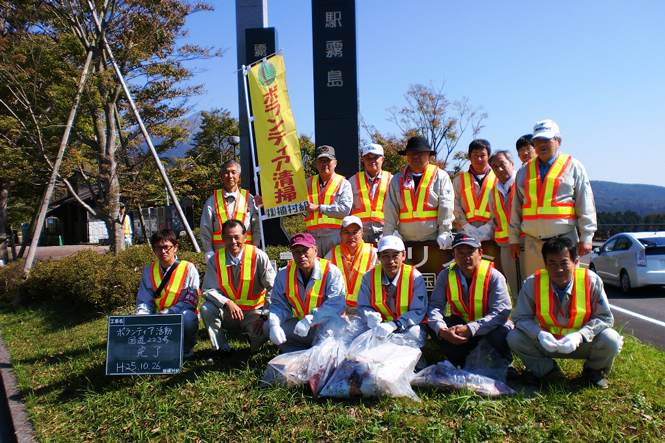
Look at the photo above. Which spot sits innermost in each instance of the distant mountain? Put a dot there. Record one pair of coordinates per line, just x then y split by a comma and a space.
194, 122
621, 197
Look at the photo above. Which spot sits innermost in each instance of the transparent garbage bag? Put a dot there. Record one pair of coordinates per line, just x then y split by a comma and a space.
485, 360
287, 370
444, 375
375, 366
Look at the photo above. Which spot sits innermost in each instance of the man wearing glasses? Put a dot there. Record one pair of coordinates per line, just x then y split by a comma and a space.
525, 150
237, 286
170, 286
369, 189
354, 258
419, 206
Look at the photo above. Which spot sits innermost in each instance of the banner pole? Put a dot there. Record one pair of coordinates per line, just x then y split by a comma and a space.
257, 169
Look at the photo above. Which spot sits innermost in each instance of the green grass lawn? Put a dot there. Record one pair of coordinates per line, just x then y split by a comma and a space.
59, 358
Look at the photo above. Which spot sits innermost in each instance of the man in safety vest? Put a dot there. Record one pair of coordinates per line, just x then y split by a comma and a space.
230, 202
170, 286
237, 286
553, 198
369, 189
354, 258
330, 200
479, 305
127, 229
525, 150
501, 199
393, 295
472, 193
307, 293
563, 312
419, 206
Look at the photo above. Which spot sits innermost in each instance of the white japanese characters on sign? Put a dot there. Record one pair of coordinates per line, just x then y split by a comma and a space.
335, 79
260, 50
333, 19
333, 48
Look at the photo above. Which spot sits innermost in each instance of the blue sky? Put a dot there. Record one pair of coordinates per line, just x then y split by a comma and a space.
597, 68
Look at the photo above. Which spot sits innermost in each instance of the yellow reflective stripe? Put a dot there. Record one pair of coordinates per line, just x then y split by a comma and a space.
477, 292
477, 209
171, 292
352, 284
404, 293
421, 211
126, 226
377, 293
371, 210
580, 308
243, 295
541, 198
501, 214
316, 220
222, 213
315, 295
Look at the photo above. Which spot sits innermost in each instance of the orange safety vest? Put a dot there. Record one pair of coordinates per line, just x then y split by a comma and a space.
170, 293
477, 209
421, 211
580, 303
353, 282
502, 214
316, 220
241, 296
222, 212
404, 293
313, 298
371, 209
477, 307
126, 226
541, 201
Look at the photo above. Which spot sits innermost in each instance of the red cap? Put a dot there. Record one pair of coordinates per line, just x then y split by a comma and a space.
302, 239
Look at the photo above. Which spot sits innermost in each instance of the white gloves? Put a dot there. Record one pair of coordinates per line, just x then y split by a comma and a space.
445, 240
209, 254
484, 233
303, 326
547, 341
471, 230
373, 319
383, 330
569, 342
277, 334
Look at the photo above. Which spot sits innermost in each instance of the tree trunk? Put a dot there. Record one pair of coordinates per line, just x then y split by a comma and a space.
143, 227
5, 186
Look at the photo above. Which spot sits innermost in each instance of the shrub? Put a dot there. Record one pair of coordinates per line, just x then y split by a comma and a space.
10, 280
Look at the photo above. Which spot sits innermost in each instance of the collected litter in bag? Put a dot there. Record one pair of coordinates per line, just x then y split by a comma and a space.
375, 367
445, 376
287, 370
485, 360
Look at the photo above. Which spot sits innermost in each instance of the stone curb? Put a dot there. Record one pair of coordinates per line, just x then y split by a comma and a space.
23, 429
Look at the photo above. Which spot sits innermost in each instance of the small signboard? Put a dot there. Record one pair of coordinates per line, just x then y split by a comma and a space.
144, 344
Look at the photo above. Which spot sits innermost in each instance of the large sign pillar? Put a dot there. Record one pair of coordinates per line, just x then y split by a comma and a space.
335, 80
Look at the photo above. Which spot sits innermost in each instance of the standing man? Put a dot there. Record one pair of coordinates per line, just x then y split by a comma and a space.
472, 193
170, 286
369, 189
330, 200
354, 258
563, 312
230, 202
419, 206
553, 198
525, 150
501, 200
308, 292
236, 290
393, 296
479, 304
127, 229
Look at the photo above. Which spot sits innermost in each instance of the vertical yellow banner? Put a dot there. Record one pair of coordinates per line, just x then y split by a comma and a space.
282, 174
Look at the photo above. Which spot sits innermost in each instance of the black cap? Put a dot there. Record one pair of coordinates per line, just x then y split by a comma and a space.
324, 151
417, 144
465, 239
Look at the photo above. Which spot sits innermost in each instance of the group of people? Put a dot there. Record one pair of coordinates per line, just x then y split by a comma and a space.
351, 260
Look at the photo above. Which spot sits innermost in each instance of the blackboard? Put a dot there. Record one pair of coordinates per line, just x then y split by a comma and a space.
144, 344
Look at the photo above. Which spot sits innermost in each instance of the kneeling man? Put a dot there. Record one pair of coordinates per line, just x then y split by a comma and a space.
562, 312
237, 286
307, 293
479, 304
170, 286
393, 296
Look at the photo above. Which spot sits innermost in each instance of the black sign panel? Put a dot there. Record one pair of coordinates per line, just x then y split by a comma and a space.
259, 43
144, 344
335, 80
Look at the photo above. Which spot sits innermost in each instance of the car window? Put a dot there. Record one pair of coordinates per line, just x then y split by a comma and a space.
609, 246
623, 244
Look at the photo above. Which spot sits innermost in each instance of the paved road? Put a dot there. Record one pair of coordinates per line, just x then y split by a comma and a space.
57, 252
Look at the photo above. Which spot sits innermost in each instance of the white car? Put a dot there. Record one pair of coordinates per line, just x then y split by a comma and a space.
631, 259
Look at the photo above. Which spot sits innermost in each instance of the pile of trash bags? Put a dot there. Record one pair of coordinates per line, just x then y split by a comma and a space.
348, 360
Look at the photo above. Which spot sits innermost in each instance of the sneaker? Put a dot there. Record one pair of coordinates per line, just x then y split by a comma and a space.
552, 376
512, 373
219, 355
188, 354
595, 377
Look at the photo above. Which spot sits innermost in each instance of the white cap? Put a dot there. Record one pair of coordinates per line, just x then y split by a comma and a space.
351, 220
546, 129
391, 242
373, 148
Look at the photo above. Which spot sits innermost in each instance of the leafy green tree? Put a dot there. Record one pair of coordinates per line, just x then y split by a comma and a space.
211, 143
